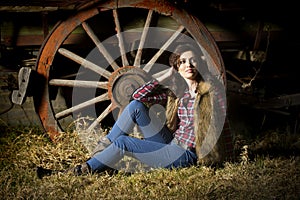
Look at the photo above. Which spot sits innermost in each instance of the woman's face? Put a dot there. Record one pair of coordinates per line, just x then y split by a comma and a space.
187, 66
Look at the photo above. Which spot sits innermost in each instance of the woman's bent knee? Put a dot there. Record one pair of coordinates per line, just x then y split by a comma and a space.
120, 142
136, 104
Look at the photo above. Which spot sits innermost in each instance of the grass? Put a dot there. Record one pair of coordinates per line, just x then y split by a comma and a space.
256, 174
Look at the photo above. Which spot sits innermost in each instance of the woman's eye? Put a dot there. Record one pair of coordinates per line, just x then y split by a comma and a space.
182, 62
191, 61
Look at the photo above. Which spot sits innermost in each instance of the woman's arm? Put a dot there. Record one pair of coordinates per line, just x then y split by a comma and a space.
172, 80
151, 92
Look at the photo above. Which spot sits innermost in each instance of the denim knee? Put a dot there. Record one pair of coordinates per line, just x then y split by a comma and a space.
120, 142
136, 104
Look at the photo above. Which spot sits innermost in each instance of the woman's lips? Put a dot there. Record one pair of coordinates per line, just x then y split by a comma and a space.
189, 71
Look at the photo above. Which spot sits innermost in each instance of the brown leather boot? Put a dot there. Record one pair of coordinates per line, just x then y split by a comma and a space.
82, 169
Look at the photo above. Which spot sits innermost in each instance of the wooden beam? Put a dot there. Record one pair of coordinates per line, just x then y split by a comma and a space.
76, 38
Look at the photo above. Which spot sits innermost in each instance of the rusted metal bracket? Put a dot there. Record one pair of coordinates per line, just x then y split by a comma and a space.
19, 96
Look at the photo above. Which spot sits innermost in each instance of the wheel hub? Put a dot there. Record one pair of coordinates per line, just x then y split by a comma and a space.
123, 82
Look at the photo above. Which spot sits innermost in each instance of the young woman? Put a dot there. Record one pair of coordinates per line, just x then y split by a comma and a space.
185, 135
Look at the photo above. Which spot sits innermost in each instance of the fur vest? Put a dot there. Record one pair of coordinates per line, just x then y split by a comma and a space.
208, 124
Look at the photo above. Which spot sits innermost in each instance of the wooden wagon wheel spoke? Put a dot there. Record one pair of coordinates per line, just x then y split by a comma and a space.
158, 74
120, 38
150, 64
78, 83
100, 46
138, 56
84, 62
69, 111
100, 118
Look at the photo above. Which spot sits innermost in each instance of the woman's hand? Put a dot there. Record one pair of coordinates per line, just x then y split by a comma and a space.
171, 79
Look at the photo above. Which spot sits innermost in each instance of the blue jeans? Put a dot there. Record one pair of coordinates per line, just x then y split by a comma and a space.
156, 149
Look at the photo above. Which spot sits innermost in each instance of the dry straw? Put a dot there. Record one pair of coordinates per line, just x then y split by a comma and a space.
253, 176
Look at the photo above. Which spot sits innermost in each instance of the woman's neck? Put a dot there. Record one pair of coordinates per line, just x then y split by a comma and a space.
192, 84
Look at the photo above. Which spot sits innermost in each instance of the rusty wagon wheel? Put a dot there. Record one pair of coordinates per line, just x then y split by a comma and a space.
98, 56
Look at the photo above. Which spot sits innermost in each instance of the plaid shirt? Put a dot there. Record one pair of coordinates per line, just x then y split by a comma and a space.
146, 94
185, 132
